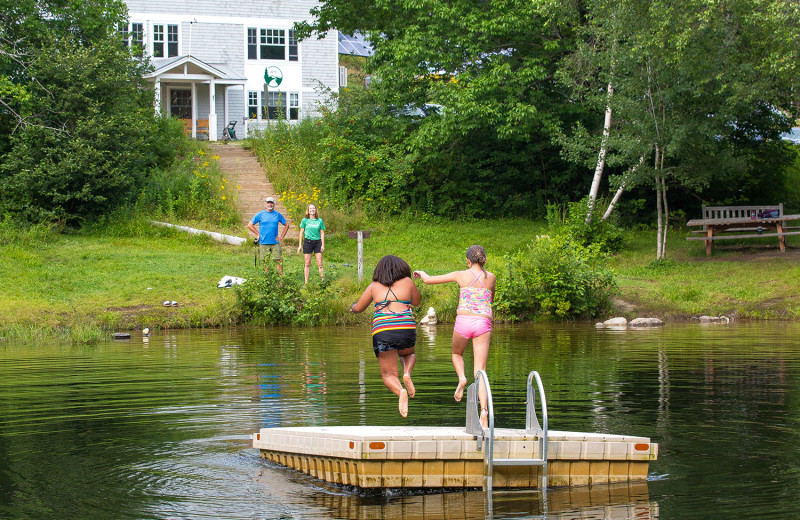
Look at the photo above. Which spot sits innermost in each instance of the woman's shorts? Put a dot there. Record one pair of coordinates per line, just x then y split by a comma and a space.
389, 340
472, 326
311, 246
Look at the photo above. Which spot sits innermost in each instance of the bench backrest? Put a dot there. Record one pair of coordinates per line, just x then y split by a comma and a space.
738, 211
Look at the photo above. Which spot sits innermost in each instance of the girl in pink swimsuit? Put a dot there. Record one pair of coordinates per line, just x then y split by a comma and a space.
473, 317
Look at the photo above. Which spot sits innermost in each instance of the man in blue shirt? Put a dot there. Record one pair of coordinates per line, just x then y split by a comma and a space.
268, 240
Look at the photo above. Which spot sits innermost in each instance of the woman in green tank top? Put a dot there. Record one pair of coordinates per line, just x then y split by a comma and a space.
312, 239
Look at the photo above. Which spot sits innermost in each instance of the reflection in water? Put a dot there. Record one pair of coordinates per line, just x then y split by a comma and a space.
160, 428
614, 502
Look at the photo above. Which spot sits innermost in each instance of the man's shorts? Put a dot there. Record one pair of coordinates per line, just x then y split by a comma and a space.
265, 250
311, 246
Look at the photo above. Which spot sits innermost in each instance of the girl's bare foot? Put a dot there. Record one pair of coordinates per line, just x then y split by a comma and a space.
460, 390
409, 385
403, 403
484, 418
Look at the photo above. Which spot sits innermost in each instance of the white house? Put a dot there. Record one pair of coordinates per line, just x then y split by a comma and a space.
222, 61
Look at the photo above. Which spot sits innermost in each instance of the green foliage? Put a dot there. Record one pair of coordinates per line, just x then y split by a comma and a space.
23, 235
86, 132
271, 299
191, 189
571, 221
555, 277
291, 155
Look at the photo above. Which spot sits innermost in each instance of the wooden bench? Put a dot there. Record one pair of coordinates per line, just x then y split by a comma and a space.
202, 128
728, 223
187, 127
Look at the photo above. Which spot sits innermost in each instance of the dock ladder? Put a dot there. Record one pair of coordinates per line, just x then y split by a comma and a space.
485, 436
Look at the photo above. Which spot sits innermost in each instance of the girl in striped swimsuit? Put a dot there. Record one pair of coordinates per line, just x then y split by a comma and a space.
473, 318
394, 330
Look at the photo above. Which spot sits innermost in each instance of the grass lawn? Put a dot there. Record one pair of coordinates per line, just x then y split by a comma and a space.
74, 281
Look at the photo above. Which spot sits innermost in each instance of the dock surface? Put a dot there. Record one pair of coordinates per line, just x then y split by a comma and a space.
448, 457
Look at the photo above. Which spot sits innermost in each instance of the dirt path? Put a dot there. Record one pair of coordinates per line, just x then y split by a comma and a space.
243, 169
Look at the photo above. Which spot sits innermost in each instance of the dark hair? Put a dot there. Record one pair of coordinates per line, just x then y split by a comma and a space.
391, 268
477, 255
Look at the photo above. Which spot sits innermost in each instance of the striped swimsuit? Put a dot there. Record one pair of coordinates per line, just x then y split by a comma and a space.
383, 321
393, 330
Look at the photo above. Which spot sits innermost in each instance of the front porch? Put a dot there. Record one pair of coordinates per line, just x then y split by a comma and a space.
197, 93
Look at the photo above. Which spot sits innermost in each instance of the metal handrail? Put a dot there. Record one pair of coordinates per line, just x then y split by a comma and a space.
486, 440
485, 436
532, 422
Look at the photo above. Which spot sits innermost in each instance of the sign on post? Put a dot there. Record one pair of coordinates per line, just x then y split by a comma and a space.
273, 77
360, 235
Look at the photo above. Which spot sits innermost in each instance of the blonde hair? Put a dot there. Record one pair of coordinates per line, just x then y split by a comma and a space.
315, 206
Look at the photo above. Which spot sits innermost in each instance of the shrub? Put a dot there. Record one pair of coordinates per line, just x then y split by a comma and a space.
570, 220
555, 277
90, 138
272, 299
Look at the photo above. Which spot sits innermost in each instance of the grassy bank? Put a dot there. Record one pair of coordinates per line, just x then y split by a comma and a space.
80, 286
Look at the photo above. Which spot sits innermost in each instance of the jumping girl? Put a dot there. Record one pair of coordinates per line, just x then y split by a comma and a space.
394, 330
473, 318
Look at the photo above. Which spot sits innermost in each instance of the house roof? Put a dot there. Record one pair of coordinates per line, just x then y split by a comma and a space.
793, 135
190, 68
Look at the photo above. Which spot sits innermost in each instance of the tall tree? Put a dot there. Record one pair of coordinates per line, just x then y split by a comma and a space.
492, 65
77, 128
692, 83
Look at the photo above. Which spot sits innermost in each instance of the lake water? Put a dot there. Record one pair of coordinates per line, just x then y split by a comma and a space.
160, 427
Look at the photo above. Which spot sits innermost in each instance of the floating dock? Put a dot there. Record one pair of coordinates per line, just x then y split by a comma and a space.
448, 457
469, 457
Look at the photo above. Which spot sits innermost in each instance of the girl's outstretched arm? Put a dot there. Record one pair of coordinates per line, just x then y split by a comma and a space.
364, 301
442, 278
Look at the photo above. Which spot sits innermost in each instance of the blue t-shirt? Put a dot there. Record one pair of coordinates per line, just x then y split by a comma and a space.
268, 226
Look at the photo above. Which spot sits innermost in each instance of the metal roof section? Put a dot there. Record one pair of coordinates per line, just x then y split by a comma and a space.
792, 136
354, 45
190, 65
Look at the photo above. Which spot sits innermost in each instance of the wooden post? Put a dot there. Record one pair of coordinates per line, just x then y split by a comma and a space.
360, 256
360, 236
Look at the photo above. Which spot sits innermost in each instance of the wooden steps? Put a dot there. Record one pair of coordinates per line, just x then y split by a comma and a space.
242, 169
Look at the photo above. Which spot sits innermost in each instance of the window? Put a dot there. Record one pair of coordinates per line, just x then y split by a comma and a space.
171, 41
133, 36
137, 39
123, 33
180, 103
292, 46
252, 43
252, 105
158, 41
275, 106
294, 106
276, 102
273, 44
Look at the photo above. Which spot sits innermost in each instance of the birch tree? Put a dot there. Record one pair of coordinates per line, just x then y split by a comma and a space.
690, 83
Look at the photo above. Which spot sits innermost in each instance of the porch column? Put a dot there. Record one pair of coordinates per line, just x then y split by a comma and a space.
157, 102
212, 110
225, 105
245, 109
194, 110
